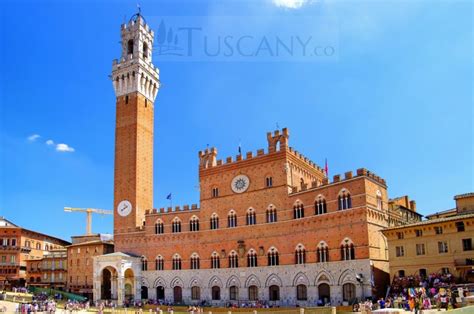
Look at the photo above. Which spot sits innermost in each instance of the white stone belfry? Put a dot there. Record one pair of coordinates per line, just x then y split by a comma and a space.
135, 72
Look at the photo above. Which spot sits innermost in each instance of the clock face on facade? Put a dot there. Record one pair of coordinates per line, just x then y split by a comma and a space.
124, 208
240, 183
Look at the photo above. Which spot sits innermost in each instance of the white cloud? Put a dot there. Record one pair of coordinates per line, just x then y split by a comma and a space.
33, 137
290, 4
49, 142
64, 148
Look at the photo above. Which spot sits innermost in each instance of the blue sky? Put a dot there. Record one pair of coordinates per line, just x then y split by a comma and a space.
396, 99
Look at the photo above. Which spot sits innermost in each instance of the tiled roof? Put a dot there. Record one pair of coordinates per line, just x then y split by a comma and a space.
433, 221
471, 194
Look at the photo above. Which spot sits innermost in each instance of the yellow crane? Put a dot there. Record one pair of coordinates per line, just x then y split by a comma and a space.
89, 212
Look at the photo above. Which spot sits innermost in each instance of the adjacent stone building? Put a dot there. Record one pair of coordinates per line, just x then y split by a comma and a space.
441, 244
17, 245
48, 272
80, 256
271, 225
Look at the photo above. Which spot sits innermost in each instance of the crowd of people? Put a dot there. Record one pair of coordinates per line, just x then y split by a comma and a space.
417, 293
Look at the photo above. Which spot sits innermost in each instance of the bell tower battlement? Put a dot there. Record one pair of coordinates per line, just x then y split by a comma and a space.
135, 72
276, 138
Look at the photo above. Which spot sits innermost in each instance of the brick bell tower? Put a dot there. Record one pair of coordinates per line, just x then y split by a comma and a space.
136, 83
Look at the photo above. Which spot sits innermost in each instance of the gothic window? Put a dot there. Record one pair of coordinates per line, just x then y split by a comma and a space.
320, 206
251, 217
216, 293
322, 252
195, 293
176, 225
144, 263
347, 250
300, 255
348, 291
130, 47
233, 260
273, 258
253, 293
271, 214
301, 293
195, 261
159, 263
215, 261
194, 224
252, 258
274, 293
214, 222
344, 200
379, 200
145, 51
176, 262
298, 211
159, 227
215, 192
231, 219
269, 182
233, 293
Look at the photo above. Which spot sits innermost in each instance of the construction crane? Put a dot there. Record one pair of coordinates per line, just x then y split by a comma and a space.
89, 212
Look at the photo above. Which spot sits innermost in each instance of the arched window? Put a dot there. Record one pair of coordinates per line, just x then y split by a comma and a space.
144, 263
301, 293
251, 217
130, 47
233, 293
252, 258
271, 214
268, 182
233, 260
320, 206
214, 222
216, 293
348, 291
38, 246
178, 294
322, 252
159, 227
344, 200
159, 263
145, 51
195, 293
195, 261
324, 292
298, 211
347, 250
176, 225
300, 254
176, 262
273, 258
274, 293
231, 219
215, 260
194, 224
379, 200
253, 293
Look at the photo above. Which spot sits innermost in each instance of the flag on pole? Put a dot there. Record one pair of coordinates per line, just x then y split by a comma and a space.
168, 197
326, 168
